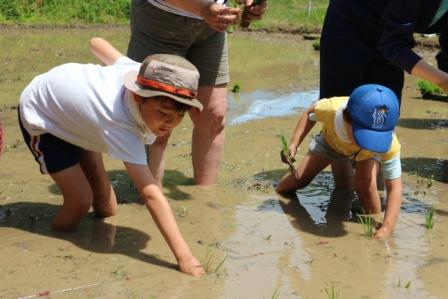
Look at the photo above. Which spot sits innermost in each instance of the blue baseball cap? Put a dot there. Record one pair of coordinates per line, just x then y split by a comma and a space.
374, 111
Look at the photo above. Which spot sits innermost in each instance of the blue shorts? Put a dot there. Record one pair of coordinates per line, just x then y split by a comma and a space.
51, 153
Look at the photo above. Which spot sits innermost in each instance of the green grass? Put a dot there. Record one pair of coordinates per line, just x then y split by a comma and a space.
64, 12
429, 218
282, 15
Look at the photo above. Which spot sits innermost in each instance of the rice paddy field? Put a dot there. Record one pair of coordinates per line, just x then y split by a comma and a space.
253, 242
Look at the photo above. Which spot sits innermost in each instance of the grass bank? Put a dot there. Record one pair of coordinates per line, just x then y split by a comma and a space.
282, 15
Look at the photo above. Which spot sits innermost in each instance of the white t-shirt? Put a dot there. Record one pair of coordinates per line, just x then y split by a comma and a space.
172, 9
88, 106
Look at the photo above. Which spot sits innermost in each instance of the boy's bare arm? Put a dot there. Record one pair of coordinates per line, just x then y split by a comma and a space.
161, 212
394, 191
303, 127
104, 51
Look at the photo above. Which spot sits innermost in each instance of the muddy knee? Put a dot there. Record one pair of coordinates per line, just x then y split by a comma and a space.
105, 204
71, 213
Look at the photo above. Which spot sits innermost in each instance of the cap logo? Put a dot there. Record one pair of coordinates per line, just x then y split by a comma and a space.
379, 117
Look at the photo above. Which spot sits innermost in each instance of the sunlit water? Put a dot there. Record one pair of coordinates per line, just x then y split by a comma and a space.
261, 104
299, 246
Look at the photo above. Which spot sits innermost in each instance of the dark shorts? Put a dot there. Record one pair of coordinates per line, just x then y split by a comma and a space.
50, 152
349, 58
155, 31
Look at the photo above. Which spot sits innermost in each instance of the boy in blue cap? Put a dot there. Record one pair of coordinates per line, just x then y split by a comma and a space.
359, 128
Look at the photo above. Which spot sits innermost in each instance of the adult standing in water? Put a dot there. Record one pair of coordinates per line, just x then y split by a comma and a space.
193, 29
371, 41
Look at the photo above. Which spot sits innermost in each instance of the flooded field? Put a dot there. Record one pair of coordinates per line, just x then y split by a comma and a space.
254, 243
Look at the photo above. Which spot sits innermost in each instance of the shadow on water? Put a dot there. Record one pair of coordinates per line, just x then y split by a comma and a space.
93, 234
318, 209
321, 218
431, 168
126, 192
417, 123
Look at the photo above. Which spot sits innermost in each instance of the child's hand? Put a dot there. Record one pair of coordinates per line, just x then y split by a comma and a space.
292, 151
383, 233
191, 266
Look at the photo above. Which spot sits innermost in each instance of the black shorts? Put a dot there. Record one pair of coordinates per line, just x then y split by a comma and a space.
50, 152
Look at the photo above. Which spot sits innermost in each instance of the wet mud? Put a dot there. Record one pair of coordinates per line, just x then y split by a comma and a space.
255, 243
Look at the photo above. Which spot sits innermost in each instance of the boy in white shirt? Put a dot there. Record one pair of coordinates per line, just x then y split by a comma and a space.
75, 112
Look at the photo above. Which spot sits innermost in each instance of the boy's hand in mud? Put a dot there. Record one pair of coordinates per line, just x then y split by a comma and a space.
219, 16
191, 266
383, 233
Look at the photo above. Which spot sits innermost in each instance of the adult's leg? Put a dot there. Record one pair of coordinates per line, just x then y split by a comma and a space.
342, 65
209, 55
365, 185
75, 189
104, 199
308, 168
208, 133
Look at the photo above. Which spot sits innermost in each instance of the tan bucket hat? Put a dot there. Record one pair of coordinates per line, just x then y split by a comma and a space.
165, 75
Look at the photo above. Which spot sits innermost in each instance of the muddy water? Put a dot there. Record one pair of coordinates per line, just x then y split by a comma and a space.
297, 248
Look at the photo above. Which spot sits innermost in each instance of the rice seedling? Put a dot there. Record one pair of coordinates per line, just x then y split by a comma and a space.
236, 88
208, 262
367, 224
406, 286
332, 293
286, 158
429, 218
426, 87
276, 294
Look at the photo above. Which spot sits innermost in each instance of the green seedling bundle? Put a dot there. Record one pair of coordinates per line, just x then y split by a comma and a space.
429, 218
286, 158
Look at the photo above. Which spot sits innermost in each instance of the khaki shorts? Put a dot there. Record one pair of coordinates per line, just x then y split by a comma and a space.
155, 31
320, 147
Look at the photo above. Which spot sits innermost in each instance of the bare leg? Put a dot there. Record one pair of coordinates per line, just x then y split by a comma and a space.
77, 194
342, 174
104, 200
308, 168
208, 133
366, 187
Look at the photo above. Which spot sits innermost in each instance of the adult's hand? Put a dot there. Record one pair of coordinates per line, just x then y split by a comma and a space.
253, 12
219, 16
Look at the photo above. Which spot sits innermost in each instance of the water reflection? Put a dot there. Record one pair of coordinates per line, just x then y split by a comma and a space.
263, 104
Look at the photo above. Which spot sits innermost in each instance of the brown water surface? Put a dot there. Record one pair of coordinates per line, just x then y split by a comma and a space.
296, 248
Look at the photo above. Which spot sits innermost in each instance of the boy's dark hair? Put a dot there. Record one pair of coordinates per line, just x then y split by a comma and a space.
176, 106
